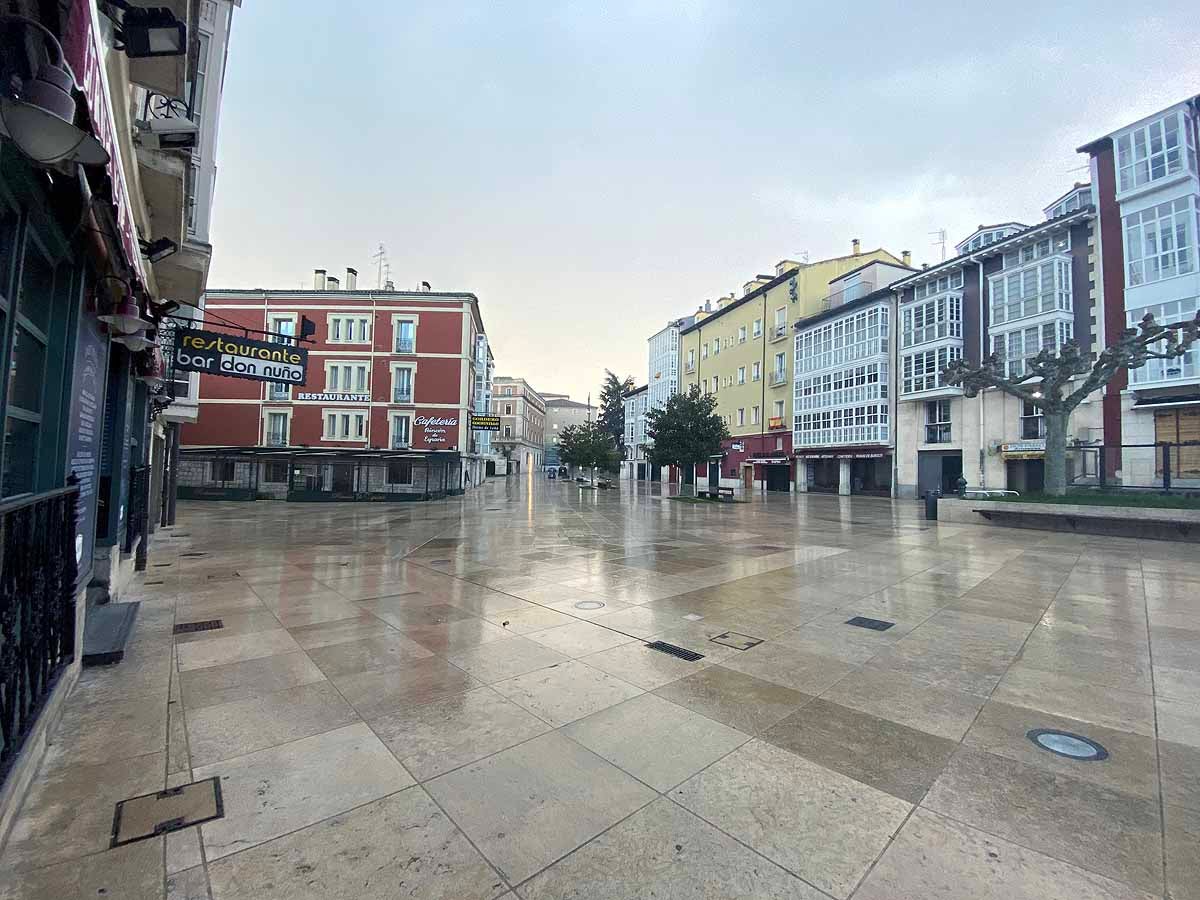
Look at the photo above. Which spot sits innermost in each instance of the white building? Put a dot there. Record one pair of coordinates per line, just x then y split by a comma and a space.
842, 397
1147, 181
637, 404
485, 369
662, 375
1013, 290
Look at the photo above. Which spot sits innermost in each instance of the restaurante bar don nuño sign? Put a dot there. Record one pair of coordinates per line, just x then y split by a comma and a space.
239, 357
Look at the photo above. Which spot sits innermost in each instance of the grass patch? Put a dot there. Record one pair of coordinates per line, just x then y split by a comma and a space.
706, 500
1147, 500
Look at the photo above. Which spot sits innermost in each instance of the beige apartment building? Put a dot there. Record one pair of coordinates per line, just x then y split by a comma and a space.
522, 413
743, 352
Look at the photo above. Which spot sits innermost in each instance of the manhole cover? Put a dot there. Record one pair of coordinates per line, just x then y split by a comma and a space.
150, 815
1072, 746
672, 650
589, 604
736, 640
206, 625
873, 624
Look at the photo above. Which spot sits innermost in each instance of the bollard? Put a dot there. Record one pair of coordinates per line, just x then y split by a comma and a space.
931, 502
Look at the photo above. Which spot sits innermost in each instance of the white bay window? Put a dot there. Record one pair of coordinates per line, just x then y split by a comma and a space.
1160, 242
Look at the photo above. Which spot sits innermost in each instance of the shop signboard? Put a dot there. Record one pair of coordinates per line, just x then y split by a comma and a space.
239, 357
83, 444
333, 398
485, 423
433, 429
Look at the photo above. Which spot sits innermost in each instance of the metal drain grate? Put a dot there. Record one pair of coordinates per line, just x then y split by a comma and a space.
206, 625
440, 562
672, 650
150, 815
194, 554
873, 624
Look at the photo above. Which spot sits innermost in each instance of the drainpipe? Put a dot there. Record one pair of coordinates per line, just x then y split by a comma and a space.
893, 391
983, 310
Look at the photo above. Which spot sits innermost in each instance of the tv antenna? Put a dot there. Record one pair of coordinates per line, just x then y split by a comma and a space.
941, 241
381, 260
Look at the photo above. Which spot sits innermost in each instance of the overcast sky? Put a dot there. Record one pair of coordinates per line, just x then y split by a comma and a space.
592, 169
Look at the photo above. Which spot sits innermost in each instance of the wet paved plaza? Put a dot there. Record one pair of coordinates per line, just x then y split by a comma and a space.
454, 700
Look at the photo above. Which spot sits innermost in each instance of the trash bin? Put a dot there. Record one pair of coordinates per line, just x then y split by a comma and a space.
931, 502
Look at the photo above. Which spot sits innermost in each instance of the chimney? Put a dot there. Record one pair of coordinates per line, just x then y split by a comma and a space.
906, 257
331, 283
855, 247
318, 279
351, 279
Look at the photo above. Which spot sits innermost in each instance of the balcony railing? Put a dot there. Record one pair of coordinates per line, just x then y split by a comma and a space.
400, 443
37, 607
1033, 428
275, 439
778, 333
847, 294
777, 378
402, 395
405, 345
279, 391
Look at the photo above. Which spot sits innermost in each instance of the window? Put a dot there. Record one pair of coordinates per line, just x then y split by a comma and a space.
704, 351
406, 338
401, 432
931, 321
508, 431
1033, 422
1160, 242
275, 473
757, 330
402, 384
193, 185
399, 473
508, 392
221, 470
937, 422
716, 380
777, 410
716, 346
1155, 151
349, 329
277, 429
691, 360
198, 85
923, 371
754, 415
1041, 287
345, 378
950, 282
741, 375
756, 372
742, 334
741, 416
780, 371
508, 408
344, 425
852, 337
1014, 349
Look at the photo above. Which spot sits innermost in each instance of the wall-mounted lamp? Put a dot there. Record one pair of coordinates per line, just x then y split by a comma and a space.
37, 113
146, 31
125, 317
158, 250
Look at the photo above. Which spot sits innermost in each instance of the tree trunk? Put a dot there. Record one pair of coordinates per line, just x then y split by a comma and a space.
1056, 453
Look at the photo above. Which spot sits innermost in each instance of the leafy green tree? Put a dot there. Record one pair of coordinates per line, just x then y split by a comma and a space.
686, 431
612, 407
1057, 383
588, 446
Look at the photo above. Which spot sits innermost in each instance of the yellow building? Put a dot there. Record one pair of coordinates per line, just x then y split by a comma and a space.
743, 352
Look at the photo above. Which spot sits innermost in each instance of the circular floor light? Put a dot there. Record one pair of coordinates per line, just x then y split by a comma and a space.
589, 604
1072, 746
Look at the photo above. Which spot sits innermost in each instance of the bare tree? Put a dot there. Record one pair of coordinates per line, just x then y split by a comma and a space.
1049, 380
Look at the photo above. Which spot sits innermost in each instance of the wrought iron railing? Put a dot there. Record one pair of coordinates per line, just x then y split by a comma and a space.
404, 345
135, 520
402, 394
38, 571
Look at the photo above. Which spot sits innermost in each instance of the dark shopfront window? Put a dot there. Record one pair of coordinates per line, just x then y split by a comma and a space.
34, 347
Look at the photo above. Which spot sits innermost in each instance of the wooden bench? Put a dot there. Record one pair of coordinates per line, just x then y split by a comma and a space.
719, 493
1075, 519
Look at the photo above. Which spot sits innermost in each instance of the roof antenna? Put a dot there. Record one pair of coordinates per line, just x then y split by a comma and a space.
381, 260
941, 241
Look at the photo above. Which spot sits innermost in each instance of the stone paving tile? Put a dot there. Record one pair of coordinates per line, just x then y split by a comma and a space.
814, 822
637, 664
935, 858
740, 701
117, 729
528, 806
454, 636
236, 648
243, 726
132, 872
406, 684
1183, 862
655, 740
1063, 694
372, 654
665, 852
243, 680
1178, 721
894, 758
795, 669
434, 738
1111, 833
190, 884
580, 638
505, 659
891, 694
401, 845
563, 693
237, 623
339, 631
1180, 768
272, 792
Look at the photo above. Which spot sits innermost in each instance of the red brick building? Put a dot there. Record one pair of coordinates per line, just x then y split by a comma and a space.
387, 370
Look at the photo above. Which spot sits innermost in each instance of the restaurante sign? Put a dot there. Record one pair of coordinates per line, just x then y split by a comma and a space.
239, 357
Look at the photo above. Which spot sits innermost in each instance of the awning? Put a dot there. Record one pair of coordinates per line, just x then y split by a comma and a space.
767, 461
1172, 400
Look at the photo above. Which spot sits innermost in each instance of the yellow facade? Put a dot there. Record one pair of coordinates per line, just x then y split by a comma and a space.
744, 351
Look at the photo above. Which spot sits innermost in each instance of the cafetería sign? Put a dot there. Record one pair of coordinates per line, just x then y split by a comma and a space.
485, 423
239, 357
435, 427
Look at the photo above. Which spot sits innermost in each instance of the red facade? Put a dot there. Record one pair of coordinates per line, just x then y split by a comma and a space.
386, 370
